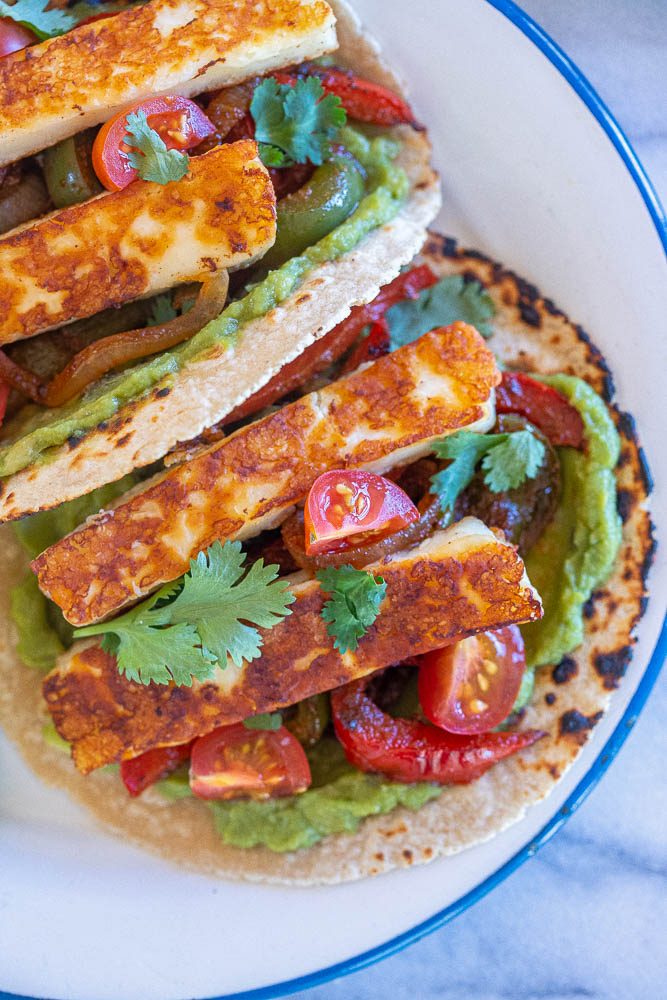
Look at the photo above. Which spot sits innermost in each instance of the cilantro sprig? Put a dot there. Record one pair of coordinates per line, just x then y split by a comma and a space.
57, 20
294, 124
186, 628
508, 459
449, 300
152, 160
354, 604
266, 721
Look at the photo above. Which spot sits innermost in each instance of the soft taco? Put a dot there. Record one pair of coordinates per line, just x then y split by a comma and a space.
116, 389
575, 522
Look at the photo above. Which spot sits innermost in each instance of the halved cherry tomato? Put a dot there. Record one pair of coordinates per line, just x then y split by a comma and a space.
332, 345
470, 686
407, 750
362, 99
345, 506
232, 762
181, 123
543, 405
14, 36
151, 766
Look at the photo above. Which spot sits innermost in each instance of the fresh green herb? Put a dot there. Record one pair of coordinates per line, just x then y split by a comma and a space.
451, 299
508, 459
162, 310
183, 630
268, 721
55, 21
153, 160
354, 605
295, 124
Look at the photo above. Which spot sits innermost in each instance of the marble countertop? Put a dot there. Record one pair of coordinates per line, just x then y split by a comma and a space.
586, 917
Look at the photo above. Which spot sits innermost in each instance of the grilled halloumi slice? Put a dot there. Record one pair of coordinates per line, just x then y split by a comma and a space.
136, 242
63, 85
458, 582
388, 413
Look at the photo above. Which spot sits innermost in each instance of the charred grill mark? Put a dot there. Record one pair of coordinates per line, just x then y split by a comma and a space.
612, 666
565, 670
625, 502
574, 723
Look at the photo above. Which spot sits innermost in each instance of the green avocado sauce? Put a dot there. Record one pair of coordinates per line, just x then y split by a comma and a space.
43, 633
31, 435
336, 802
576, 552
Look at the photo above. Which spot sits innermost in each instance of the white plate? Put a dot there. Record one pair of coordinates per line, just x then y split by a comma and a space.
538, 176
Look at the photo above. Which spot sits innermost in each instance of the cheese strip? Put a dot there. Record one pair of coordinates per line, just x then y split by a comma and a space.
388, 413
456, 583
63, 85
136, 242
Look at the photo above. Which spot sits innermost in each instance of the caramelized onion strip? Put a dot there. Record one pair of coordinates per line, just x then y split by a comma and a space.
118, 349
25, 382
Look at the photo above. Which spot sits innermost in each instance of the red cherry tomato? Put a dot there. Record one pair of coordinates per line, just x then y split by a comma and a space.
543, 405
408, 751
181, 124
470, 686
233, 761
346, 506
151, 766
14, 36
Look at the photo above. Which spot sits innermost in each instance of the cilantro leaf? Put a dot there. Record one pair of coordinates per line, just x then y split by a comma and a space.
55, 21
183, 630
216, 595
508, 459
508, 463
153, 161
449, 300
162, 310
268, 721
294, 124
354, 604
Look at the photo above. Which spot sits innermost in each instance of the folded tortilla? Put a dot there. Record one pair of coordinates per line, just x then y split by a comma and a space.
459, 581
184, 47
136, 242
386, 414
205, 389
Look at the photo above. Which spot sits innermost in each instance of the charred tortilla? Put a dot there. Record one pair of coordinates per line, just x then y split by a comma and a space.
569, 698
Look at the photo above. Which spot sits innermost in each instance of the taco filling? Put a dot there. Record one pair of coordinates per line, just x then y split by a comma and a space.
397, 735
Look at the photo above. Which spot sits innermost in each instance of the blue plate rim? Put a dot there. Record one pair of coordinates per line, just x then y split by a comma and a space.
571, 72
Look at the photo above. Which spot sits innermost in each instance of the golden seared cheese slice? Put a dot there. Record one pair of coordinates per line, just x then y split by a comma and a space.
136, 242
63, 85
387, 413
458, 582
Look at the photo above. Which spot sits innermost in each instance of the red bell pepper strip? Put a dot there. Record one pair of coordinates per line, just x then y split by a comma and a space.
151, 766
543, 406
407, 750
362, 99
332, 345
4, 394
375, 345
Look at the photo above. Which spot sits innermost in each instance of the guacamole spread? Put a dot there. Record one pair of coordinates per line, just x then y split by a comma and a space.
36, 430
